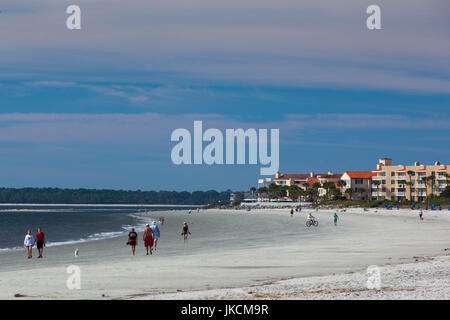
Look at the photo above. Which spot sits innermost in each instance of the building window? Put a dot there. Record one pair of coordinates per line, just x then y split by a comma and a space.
358, 181
392, 174
383, 181
392, 189
383, 174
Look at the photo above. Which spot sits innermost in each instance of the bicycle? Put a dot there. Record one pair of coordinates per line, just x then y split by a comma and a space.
312, 222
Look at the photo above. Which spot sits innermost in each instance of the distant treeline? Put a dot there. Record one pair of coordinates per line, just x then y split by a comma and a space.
94, 196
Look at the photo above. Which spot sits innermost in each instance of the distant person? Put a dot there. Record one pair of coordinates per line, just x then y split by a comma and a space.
198, 210
335, 218
310, 217
147, 238
292, 212
421, 214
29, 243
161, 220
185, 231
132, 241
40, 242
156, 233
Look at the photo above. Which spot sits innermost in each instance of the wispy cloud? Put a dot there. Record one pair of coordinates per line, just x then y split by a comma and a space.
98, 128
287, 43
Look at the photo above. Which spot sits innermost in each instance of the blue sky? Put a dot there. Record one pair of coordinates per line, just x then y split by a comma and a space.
95, 107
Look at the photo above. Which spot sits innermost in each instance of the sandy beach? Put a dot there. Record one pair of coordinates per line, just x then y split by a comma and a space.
262, 254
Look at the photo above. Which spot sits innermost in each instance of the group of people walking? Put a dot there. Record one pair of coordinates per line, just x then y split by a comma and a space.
150, 237
37, 240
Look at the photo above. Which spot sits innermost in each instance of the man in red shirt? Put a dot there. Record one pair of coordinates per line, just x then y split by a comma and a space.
40, 242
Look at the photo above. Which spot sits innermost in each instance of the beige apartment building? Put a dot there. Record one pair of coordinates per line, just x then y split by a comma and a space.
402, 182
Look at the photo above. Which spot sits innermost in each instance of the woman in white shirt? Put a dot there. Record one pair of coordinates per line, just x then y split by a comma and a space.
29, 243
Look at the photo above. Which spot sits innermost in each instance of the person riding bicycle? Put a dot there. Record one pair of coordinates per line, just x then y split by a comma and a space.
310, 217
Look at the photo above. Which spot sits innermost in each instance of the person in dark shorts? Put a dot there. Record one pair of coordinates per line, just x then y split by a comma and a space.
40, 242
185, 231
132, 240
292, 212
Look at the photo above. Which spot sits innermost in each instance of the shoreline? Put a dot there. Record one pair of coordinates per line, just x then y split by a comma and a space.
297, 265
96, 205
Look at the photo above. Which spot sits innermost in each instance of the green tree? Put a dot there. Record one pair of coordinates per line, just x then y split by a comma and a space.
377, 184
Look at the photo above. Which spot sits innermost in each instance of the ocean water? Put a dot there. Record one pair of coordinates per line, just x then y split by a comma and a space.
71, 224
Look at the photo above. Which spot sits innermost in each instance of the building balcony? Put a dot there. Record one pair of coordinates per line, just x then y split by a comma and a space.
378, 178
441, 178
400, 194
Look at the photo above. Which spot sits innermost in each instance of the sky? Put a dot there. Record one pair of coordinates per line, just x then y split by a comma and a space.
95, 107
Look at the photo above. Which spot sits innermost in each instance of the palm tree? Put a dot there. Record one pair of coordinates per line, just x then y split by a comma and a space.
402, 182
294, 192
377, 184
328, 186
410, 184
349, 192
273, 189
427, 182
360, 191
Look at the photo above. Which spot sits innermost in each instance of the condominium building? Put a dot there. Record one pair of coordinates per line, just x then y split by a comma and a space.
414, 182
298, 179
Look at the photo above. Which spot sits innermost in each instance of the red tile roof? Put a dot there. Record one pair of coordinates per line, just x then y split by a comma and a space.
286, 176
360, 174
305, 176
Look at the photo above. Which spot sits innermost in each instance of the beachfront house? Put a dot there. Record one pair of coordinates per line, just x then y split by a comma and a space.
358, 184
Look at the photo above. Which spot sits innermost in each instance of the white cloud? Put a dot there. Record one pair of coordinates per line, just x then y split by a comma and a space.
156, 128
286, 42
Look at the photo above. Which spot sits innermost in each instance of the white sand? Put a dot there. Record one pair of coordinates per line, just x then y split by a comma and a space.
252, 252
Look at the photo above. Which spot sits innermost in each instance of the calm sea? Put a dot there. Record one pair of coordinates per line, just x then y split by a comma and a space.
65, 224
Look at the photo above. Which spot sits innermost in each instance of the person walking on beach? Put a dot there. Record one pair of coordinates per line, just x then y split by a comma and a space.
132, 241
156, 233
148, 237
185, 231
29, 243
421, 214
40, 242
335, 218
292, 212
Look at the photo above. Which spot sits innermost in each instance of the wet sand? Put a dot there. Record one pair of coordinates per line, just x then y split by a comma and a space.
229, 249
